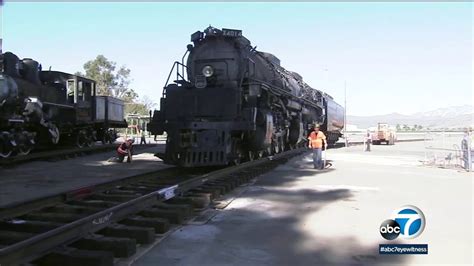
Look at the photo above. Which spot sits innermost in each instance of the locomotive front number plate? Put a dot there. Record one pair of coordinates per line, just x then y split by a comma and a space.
231, 33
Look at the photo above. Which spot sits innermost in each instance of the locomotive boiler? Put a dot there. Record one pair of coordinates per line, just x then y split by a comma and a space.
50, 108
237, 103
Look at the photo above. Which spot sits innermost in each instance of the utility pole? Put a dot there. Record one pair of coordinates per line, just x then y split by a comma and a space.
345, 116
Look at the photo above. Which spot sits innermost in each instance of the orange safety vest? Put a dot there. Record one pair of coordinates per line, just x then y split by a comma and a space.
316, 139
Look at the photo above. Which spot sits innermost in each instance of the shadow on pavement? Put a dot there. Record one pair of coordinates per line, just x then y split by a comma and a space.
253, 232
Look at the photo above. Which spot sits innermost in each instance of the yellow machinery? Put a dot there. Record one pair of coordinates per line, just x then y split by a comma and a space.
384, 134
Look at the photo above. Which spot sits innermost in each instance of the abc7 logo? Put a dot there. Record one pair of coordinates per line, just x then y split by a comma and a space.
407, 222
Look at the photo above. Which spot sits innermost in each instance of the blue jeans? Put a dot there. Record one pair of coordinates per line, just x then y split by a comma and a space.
317, 158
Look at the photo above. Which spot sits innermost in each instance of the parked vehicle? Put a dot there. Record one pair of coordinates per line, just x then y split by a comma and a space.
384, 134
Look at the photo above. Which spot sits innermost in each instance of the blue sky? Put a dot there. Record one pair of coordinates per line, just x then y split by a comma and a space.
394, 57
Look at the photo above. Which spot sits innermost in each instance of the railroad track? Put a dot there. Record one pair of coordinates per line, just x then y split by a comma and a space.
101, 224
61, 154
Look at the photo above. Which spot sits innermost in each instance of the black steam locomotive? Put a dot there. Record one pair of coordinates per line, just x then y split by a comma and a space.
49, 108
237, 104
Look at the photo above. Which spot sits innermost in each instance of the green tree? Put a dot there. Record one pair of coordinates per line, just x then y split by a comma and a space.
111, 81
399, 128
135, 108
140, 107
405, 127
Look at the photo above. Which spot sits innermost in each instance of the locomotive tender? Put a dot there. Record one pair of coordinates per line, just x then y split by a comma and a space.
50, 107
237, 104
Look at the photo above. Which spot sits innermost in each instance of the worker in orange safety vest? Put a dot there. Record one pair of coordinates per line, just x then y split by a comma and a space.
316, 141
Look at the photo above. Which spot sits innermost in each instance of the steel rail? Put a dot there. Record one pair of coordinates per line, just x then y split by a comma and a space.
61, 152
39, 245
19, 208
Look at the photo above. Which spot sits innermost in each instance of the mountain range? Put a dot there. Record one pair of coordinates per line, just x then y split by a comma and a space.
448, 117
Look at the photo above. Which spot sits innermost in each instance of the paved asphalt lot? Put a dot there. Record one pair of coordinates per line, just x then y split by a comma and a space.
41, 178
295, 215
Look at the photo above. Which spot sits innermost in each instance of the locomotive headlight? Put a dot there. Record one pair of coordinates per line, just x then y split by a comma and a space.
207, 71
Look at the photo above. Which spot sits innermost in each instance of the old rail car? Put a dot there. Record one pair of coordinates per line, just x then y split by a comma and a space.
237, 104
50, 108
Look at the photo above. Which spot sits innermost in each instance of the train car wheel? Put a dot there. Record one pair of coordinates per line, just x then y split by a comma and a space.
89, 142
81, 139
89, 139
104, 139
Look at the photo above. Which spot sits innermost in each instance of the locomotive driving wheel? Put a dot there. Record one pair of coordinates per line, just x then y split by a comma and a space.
24, 142
237, 159
237, 154
81, 139
6, 147
252, 155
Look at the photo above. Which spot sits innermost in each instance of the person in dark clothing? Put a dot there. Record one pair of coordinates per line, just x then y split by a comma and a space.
367, 141
143, 138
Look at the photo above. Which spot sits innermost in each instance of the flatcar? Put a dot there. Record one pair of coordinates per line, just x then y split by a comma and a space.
236, 104
51, 108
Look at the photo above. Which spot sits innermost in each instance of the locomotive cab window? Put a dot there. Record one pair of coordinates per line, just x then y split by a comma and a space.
71, 87
80, 90
87, 88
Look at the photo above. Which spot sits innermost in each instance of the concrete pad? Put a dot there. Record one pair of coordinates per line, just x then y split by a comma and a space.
295, 215
40, 178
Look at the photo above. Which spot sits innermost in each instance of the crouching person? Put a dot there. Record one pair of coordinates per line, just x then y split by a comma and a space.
124, 150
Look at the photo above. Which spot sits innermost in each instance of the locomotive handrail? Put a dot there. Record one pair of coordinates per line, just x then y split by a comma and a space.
178, 75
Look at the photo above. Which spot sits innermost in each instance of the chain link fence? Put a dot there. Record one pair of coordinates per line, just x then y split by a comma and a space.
448, 150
